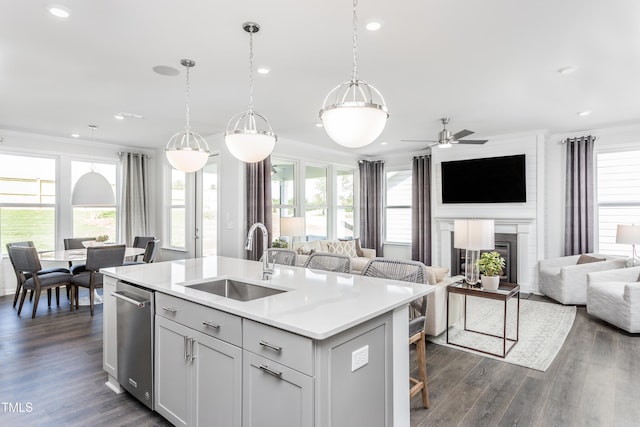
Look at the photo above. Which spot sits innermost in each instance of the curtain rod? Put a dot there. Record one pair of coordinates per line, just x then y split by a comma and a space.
564, 141
122, 153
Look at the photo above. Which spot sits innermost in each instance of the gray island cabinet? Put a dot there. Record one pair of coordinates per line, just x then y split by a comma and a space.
331, 350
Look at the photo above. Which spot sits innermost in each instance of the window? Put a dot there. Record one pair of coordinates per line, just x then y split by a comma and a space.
618, 193
398, 207
344, 208
283, 192
94, 221
27, 200
177, 226
315, 190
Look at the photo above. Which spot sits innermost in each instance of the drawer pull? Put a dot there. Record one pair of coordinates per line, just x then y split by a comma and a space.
266, 369
170, 310
271, 346
211, 324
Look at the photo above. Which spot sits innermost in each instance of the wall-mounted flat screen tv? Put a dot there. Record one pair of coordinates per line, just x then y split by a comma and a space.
487, 180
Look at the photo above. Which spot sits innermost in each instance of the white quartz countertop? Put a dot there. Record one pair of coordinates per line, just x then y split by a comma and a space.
317, 304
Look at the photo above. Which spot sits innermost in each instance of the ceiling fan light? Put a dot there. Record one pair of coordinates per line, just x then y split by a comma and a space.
354, 124
444, 145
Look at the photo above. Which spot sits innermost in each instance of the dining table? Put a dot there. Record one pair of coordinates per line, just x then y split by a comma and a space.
80, 255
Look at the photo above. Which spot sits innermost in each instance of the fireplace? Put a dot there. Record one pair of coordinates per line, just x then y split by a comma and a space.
506, 244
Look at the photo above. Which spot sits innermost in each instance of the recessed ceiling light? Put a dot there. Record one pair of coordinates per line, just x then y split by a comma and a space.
118, 116
59, 11
263, 69
165, 70
566, 70
383, 143
75, 135
318, 125
584, 113
373, 25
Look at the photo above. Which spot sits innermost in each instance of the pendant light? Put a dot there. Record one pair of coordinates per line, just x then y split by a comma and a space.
92, 189
354, 113
187, 151
249, 136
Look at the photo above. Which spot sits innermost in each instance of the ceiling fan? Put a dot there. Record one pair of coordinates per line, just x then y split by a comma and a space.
445, 138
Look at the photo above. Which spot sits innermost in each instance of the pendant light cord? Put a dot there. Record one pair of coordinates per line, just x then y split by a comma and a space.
187, 125
355, 42
251, 30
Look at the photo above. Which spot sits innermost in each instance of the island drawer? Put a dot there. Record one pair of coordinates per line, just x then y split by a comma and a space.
207, 320
294, 351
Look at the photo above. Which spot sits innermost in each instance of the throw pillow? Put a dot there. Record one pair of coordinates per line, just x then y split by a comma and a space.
358, 248
304, 250
438, 272
586, 259
347, 248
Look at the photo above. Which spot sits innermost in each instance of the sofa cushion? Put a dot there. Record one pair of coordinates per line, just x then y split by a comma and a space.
347, 247
586, 259
357, 264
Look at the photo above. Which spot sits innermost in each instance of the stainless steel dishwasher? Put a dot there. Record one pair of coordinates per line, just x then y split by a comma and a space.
135, 309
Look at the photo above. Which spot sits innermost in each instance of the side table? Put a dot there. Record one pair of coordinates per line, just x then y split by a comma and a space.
504, 293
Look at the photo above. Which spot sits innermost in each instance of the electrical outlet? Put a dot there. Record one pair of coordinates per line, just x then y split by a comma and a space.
359, 358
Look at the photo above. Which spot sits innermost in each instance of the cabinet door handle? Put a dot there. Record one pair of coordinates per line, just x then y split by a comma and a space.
186, 347
170, 310
265, 368
191, 356
271, 346
211, 324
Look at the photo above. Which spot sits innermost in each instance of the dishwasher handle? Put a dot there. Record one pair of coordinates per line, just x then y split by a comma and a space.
139, 304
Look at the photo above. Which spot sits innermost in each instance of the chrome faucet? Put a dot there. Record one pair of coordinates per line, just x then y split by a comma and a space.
266, 270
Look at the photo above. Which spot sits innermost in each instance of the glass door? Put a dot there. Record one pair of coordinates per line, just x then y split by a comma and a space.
206, 212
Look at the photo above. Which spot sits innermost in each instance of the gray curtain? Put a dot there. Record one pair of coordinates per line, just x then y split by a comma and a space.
134, 197
579, 201
371, 208
421, 210
259, 203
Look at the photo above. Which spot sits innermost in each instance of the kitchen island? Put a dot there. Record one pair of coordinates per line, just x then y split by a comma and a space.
329, 350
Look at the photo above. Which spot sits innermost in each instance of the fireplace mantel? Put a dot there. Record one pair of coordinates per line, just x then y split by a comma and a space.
522, 227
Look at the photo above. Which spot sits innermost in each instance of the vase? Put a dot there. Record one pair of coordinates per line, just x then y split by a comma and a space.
490, 283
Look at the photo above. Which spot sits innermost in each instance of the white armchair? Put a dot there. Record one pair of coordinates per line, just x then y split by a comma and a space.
614, 296
564, 280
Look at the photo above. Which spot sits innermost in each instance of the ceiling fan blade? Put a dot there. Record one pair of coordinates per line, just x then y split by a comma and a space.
472, 141
462, 134
417, 140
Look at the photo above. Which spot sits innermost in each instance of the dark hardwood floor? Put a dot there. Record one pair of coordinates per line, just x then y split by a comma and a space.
51, 375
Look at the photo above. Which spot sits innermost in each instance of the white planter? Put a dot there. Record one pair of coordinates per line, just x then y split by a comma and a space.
490, 283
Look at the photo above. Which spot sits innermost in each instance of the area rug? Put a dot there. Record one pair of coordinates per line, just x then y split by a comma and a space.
543, 330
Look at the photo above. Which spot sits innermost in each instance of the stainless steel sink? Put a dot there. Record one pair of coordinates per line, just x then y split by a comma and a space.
234, 289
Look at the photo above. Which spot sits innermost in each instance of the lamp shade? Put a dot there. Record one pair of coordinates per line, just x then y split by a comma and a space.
628, 234
292, 226
473, 234
187, 160
250, 147
92, 189
354, 124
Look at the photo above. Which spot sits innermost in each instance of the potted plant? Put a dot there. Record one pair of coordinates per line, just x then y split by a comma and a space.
279, 243
490, 266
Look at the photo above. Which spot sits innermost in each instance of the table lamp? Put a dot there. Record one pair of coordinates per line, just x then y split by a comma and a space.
472, 235
629, 235
292, 226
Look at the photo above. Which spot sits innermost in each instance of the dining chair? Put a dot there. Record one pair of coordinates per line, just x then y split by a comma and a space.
141, 242
29, 244
149, 254
329, 262
97, 257
26, 261
76, 243
415, 272
281, 256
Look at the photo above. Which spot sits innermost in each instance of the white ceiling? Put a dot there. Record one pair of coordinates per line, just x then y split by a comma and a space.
490, 65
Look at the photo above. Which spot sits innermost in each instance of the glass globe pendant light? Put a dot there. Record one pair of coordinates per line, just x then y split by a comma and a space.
249, 136
187, 151
354, 113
